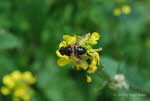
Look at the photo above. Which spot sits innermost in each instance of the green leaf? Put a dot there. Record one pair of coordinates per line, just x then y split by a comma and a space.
110, 66
8, 41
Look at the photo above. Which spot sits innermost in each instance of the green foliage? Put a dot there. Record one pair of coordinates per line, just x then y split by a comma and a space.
8, 41
30, 31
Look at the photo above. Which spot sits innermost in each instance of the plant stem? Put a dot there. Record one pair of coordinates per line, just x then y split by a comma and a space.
107, 78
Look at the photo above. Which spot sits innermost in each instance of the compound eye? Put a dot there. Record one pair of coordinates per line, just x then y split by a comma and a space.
62, 49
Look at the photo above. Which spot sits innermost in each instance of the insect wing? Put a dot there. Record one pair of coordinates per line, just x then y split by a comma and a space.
81, 39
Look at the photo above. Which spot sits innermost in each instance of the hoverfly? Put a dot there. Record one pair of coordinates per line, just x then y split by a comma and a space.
74, 49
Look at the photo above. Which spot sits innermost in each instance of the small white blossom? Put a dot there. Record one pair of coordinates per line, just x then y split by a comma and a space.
119, 82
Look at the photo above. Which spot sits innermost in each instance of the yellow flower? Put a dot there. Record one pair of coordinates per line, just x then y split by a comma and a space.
117, 12
92, 67
62, 44
28, 77
16, 75
126, 9
8, 81
18, 84
94, 37
86, 41
95, 60
5, 90
63, 61
20, 91
88, 79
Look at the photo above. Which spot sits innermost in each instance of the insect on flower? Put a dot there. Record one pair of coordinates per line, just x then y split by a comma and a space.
78, 49
74, 49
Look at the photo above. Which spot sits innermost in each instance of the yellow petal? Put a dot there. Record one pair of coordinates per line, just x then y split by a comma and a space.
117, 12
94, 61
58, 54
88, 79
63, 43
5, 90
63, 61
61, 56
28, 77
16, 75
69, 39
92, 68
95, 36
97, 58
126, 9
7, 80
95, 55
20, 91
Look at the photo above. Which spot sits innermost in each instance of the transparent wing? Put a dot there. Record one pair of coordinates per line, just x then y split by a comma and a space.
81, 39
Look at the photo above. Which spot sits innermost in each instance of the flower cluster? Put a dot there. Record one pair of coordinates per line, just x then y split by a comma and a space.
125, 9
86, 41
18, 84
122, 8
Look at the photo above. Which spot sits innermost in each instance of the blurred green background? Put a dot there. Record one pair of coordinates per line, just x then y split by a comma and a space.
31, 30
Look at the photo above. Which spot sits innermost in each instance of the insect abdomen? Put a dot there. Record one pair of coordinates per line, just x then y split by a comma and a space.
66, 51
